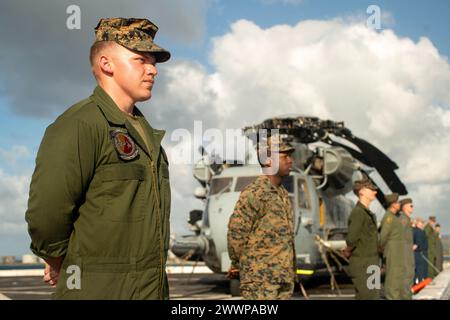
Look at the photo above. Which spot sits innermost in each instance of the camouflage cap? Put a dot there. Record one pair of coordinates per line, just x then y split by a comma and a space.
405, 201
132, 33
432, 218
391, 198
275, 143
364, 183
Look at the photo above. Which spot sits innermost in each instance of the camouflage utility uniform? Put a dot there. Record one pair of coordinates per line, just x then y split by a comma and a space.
261, 241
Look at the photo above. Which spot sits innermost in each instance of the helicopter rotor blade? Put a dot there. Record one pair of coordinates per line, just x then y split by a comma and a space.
384, 165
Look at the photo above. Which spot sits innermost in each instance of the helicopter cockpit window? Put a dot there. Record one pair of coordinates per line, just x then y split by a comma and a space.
220, 185
304, 199
242, 182
288, 183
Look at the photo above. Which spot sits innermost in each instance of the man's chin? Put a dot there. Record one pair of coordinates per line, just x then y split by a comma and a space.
144, 97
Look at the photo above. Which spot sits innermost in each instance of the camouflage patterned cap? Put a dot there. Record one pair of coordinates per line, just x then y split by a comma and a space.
364, 183
275, 143
132, 33
391, 198
432, 218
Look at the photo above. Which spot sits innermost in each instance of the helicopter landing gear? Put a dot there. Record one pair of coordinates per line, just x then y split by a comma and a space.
235, 291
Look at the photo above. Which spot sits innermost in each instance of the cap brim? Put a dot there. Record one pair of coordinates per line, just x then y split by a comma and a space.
161, 54
287, 150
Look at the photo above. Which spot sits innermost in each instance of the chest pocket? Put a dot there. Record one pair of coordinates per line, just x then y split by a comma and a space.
123, 189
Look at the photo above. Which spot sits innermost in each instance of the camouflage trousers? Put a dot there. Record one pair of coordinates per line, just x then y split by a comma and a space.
267, 291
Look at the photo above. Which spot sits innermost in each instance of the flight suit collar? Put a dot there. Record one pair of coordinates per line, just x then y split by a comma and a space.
109, 107
115, 116
154, 136
394, 214
370, 213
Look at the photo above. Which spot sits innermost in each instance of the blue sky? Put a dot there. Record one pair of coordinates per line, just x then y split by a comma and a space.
413, 19
410, 19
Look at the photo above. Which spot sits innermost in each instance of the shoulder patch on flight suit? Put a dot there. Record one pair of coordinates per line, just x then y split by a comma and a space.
389, 220
124, 144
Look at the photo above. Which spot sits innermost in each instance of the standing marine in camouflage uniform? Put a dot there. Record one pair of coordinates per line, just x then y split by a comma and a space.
392, 245
432, 245
406, 209
362, 240
261, 229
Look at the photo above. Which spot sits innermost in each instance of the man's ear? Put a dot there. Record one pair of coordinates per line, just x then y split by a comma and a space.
105, 64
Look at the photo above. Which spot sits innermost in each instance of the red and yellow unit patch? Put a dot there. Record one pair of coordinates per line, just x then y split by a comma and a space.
124, 144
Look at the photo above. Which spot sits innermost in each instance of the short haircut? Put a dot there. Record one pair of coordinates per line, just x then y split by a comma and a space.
96, 48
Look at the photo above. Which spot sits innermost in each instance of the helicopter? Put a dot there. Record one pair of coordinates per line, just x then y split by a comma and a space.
327, 159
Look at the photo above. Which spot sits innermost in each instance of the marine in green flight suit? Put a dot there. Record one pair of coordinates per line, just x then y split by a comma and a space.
439, 261
406, 210
392, 245
432, 245
99, 199
362, 241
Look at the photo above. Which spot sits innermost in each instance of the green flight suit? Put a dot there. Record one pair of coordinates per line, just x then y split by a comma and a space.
439, 261
432, 249
392, 244
363, 237
408, 253
108, 216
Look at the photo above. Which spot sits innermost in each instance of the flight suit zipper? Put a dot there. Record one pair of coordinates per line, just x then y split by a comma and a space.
161, 247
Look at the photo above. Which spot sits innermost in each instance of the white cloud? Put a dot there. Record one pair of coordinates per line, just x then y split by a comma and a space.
12, 155
13, 203
389, 90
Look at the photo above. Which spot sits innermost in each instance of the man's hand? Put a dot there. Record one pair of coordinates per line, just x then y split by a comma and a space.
233, 273
52, 269
415, 247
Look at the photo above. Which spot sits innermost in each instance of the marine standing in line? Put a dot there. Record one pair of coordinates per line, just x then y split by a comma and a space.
406, 209
100, 196
261, 229
362, 240
432, 246
420, 251
439, 261
392, 245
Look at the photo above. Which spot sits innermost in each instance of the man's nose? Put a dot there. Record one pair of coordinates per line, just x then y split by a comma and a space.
151, 69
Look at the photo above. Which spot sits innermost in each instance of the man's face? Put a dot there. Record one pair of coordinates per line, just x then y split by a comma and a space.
134, 72
408, 208
420, 225
396, 206
367, 193
437, 229
281, 163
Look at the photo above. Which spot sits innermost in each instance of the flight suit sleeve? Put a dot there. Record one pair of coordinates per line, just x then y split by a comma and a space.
240, 225
355, 224
386, 226
65, 164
